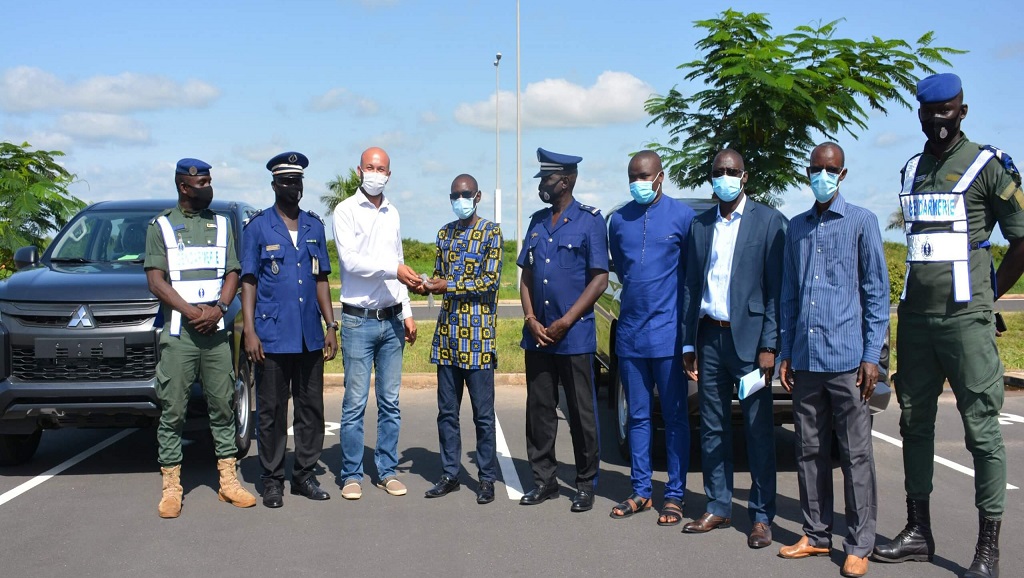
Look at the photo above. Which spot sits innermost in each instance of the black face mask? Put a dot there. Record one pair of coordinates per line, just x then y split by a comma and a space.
548, 194
202, 196
941, 131
288, 195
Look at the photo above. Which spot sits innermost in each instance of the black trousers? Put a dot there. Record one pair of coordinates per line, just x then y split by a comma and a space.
544, 373
303, 375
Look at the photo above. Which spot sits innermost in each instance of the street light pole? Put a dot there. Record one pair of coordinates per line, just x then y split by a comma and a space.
519, 159
497, 144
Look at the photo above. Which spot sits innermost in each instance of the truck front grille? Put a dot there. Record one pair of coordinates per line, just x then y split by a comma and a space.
138, 364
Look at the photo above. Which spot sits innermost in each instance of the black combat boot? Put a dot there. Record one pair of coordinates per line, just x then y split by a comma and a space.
986, 553
915, 542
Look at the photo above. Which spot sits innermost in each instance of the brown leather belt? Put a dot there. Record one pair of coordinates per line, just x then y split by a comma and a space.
378, 314
716, 322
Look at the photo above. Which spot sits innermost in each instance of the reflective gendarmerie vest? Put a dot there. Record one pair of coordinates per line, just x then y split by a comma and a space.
949, 243
181, 258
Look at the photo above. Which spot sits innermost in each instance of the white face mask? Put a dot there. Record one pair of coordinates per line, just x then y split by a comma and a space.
373, 183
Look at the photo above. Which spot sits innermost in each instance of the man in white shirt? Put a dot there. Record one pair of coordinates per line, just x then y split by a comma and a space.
730, 327
376, 321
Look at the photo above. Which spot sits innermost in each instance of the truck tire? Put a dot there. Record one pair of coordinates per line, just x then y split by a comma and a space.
16, 449
245, 420
620, 411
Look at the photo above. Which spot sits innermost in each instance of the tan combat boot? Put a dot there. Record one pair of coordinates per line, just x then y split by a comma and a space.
230, 490
170, 503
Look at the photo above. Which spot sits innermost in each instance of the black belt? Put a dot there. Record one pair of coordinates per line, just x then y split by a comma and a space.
714, 321
378, 314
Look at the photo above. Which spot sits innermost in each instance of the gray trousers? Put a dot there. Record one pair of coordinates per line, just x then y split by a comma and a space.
821, 402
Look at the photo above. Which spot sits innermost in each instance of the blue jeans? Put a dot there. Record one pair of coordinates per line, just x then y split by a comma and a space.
366, 344
480, 383
639, 376
720, 372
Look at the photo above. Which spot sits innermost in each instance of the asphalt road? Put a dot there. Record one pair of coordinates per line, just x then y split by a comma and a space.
98, 517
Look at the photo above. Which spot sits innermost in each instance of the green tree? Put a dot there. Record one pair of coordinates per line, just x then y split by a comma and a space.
340, 189
770, 96
34, 199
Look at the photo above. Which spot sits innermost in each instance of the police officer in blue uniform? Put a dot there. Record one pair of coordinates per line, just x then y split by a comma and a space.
284, 296
565, 269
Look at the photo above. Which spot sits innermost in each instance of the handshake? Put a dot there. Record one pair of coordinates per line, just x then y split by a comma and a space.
420, 284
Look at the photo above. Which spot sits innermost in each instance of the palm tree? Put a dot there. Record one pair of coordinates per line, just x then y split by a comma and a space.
895, 221
340, 188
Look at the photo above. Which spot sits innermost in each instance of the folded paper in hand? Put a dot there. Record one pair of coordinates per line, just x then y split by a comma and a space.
751, 383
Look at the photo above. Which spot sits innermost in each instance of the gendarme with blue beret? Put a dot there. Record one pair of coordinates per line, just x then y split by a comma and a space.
938, 88
192, 167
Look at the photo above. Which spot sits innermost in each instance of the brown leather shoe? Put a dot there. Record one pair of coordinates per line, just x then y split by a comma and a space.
802, 549
854, 566
760, 535
706, 523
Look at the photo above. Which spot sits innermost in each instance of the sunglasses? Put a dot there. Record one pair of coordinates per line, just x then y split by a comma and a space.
463, 194
716, 173
813, 169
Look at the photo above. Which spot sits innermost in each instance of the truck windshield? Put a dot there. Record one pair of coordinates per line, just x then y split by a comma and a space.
103, 236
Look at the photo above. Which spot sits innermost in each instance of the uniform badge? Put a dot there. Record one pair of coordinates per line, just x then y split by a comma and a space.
181, 244
529, 256
274, 268
273, 247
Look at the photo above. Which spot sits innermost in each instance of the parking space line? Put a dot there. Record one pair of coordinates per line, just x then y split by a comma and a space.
939, 460
513, 486
19, 490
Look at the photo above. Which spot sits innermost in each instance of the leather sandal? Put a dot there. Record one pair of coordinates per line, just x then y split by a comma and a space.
634, 504
672, 511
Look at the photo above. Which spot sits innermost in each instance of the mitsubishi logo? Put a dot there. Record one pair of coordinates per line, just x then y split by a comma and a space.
81, 318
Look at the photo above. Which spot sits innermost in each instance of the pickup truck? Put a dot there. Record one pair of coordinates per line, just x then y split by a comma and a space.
79, 330
606, 314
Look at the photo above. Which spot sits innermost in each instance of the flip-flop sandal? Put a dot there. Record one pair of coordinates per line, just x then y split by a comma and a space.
672, 510
632, 505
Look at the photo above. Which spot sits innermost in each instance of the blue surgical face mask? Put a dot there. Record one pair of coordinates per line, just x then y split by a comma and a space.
824, 185
643, 191
463, 208
727, 188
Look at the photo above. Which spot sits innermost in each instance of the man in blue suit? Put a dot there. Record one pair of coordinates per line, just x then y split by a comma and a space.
730, 327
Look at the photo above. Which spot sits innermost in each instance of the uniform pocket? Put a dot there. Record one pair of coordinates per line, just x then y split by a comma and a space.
570, 250
266, 318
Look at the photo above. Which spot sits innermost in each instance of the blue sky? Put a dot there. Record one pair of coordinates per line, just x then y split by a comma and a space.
128, 88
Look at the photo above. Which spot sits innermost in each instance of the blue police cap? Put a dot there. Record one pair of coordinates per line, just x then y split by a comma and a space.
938, 88
289, 163
551, 163
192, 167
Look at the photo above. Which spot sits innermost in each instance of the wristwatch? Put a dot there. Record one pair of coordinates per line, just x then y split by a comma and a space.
768, 350
333, 325
223, 307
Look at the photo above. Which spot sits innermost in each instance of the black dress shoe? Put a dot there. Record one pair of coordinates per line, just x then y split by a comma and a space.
272, 494
311, 489
485, 493
583, 501
539, 494
446, 486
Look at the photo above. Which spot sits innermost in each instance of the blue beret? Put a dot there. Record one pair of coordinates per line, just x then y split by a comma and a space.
551, 163
938, 88
192, 167
289, 163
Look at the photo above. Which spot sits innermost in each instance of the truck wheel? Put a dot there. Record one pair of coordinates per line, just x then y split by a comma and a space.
621, 412
245, 424
17, 449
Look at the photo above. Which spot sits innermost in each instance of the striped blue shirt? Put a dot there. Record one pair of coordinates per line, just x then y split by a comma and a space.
835, 289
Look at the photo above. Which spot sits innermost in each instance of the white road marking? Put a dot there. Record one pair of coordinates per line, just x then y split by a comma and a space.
513, 486
19, 490
939, 460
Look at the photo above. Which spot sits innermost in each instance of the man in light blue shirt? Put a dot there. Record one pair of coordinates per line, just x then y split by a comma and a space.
835, 313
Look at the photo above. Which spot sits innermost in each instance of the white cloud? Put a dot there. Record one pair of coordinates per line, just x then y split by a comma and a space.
336, 98
891, 139
260, 153
27, 89
98, 127
429, 117
1011, 51
616, 97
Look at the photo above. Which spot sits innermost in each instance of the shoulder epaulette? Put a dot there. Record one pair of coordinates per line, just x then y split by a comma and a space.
317, 217
251, 217
162, 214
591, 210
1005, 160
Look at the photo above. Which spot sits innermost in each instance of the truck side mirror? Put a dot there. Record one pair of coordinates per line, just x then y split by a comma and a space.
26, 257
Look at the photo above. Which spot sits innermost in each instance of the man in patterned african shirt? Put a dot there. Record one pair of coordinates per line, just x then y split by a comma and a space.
466, 273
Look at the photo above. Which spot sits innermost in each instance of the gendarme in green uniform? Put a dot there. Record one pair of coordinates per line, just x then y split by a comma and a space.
993, 197
939, 338
191, 353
